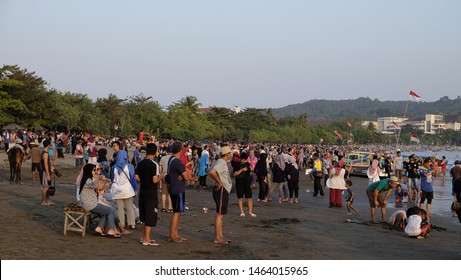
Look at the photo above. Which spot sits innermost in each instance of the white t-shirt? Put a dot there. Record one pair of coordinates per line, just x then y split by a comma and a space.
398, 162
413, 227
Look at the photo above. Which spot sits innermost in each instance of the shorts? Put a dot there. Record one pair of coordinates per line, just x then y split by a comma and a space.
36, 166
221, 198
427, 195
178, 202
165, 187
44, 184
243, 189
79, 162
371, 199
148, 210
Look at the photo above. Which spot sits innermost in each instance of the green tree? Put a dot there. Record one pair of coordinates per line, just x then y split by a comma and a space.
189, 102
142, 113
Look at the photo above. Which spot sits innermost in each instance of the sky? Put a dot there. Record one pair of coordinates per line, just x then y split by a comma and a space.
261, 53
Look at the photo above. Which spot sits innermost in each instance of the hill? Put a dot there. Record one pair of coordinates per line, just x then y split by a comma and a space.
369, 109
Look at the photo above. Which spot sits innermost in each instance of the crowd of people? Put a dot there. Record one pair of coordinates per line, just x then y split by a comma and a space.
107, 185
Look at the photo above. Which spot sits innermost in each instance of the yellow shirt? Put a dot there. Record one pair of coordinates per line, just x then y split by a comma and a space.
318, 165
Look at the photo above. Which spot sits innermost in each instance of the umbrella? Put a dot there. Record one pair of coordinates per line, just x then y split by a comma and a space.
12, 127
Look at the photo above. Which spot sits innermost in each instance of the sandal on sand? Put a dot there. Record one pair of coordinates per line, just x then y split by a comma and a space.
221, 241
253, 215
113, 235
170, 210
142, 241
100, 231
163, 210
150, 243
242, 215
126, 232
178, 240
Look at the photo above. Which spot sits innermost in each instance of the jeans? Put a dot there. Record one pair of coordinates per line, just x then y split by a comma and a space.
107, 214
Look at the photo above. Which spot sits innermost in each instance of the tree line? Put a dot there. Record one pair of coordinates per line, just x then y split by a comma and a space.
26, 100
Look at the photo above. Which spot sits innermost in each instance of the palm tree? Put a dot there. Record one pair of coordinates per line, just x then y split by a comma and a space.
190, 102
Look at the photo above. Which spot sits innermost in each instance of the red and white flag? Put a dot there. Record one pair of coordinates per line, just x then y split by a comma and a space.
415, 96
338, 134
414, 138
349, 124
396, 124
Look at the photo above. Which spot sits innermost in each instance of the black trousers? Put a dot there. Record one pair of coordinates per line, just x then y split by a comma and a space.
318, 186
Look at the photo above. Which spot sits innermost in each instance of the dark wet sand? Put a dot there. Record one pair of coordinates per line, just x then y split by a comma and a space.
309, 230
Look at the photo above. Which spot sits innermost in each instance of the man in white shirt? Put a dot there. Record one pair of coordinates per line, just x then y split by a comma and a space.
398, 165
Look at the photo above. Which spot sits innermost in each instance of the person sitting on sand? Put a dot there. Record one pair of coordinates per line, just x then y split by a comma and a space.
417, 226
376, 199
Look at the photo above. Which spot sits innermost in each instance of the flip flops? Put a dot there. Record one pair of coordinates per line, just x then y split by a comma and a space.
150, 243
113, 235
100, 232
221, 241
178, 240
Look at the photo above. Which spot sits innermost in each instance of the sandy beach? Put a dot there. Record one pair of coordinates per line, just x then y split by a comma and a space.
305, 231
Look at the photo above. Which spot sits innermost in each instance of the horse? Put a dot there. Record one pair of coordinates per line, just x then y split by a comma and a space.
15, 157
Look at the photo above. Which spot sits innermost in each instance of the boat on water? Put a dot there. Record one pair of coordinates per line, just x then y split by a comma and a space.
358, 163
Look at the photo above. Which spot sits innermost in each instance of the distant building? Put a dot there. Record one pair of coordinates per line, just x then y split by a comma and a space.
419, 124
430, 124
388, 125
237, 109
434, 124
456, 126
367, 123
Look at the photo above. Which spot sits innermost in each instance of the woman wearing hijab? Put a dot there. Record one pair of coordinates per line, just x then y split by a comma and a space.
373, 172
123, 188
278, 179
104, 163
292, 175
203, 166
89, 200
261, 174
336, 184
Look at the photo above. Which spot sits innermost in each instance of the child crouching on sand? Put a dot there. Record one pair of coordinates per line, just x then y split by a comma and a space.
399, 194
350, 198
417, 225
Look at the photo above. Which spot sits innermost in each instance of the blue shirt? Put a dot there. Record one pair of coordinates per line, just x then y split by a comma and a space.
175, 170
426, 182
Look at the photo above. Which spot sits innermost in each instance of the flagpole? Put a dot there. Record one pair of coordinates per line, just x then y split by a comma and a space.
404, 115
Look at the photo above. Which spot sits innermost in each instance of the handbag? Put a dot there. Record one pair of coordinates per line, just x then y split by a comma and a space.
51, 191
456, 205
319, 174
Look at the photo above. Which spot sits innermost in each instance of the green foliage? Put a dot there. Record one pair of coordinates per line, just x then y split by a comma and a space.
25, 99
